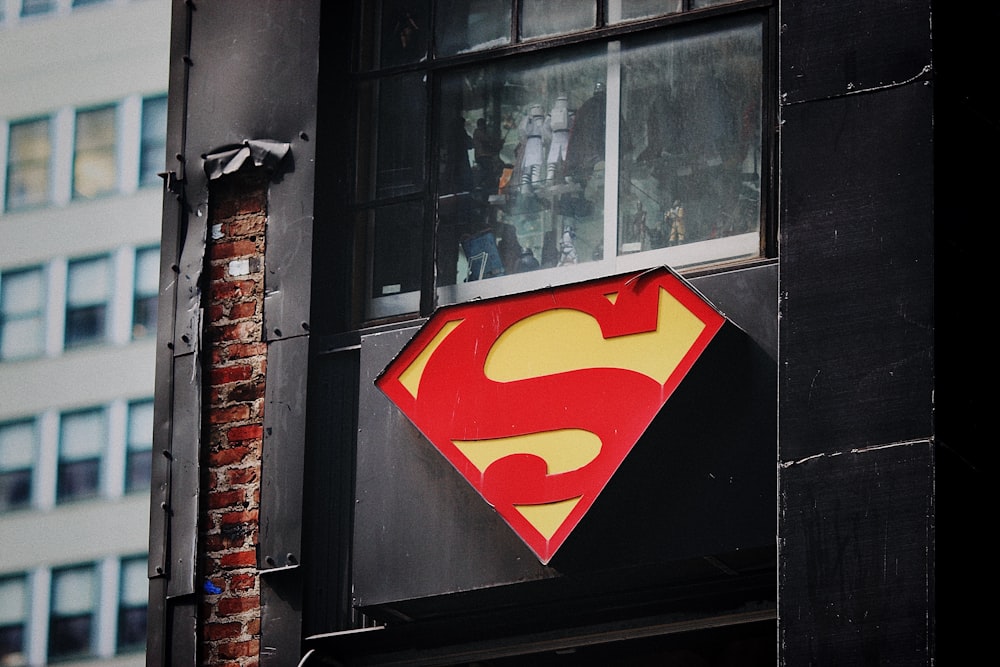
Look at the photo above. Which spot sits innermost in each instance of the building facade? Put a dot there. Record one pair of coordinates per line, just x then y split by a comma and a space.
400, 242
82, 139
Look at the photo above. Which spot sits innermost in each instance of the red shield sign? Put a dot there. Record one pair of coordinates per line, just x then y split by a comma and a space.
537, 398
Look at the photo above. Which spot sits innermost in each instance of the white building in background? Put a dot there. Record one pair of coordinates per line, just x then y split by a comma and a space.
82, 123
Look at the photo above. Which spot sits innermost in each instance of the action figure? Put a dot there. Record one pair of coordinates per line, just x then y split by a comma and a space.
532, 137
558, 123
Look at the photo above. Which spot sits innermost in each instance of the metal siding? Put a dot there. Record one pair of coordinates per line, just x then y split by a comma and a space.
856, 571
830, 49
857, 271
281, 465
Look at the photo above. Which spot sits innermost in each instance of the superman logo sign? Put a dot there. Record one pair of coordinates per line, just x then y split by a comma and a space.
537, 398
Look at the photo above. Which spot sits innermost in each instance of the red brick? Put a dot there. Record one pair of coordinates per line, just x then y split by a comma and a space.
228, 630
248, 516
243, 310
239, 649
227, 456
228, 374
238, 476
246, 350
242, 582
248, 432
232, 249
220, 499
237, 605
235, 413
244, 558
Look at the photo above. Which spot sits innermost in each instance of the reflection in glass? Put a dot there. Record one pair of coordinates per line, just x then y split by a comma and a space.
29, 150
396, 242
471, 25
22, 314
546, 18
690, 148
400, 139
404, 32
629, 10
529, 194
94, 171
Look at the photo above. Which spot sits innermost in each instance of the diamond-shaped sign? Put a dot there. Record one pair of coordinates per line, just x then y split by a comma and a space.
537, 398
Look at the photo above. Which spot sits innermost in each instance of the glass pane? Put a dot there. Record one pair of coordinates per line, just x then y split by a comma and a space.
89, 282
35, 7
70, 636
697, 4
13, 601
81, 435
134, 585
22, 293
396, 240
404, 32
545, 18
147, 271
472, 25
140, 426
17, 445
73, 591
537, 196
154, 140
94, 169
400, 139
30, 147
690, 150
628, 10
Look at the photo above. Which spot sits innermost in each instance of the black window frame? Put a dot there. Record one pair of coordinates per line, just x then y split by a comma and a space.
17, 484
367, 72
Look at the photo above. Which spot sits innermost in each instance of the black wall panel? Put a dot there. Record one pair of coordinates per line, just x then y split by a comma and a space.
855, 568
836, 47
857, 243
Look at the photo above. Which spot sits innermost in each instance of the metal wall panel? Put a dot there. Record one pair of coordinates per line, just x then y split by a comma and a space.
857, 271
837, 48
856, 569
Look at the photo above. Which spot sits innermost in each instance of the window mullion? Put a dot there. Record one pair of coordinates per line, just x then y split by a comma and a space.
611, 137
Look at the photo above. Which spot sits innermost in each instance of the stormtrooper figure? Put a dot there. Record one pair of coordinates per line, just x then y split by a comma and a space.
533, 133
567, 247
558, 124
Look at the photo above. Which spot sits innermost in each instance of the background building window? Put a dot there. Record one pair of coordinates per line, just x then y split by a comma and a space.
22, 314
132, 602
154, 140
82, 438
138, 456
17, 455
36, 7
94, 154
28, 164
88, 293
13, 619
74, 604
146, 289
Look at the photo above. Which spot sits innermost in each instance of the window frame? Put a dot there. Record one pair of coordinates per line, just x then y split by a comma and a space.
38, 314
367, 204
15, 628
18, 473
104, 151
63, 624
68, 468
101, 310
16, 168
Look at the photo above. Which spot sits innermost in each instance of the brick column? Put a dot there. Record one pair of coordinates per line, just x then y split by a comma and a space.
236, 357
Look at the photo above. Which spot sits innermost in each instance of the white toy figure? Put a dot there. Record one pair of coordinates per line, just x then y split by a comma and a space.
532, 134
567, 248
558, 124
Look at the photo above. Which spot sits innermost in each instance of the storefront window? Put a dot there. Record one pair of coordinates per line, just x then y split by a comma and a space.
565, 162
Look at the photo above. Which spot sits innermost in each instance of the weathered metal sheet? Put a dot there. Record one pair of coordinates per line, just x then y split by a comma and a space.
185, 478
857, 274
280, 542
856, 565
829, 49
